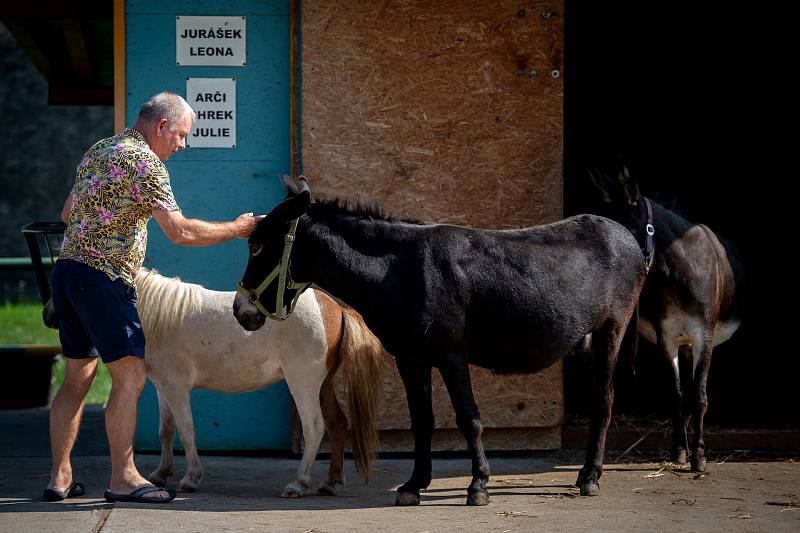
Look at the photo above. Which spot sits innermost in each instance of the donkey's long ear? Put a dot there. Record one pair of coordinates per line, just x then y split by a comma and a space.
291, 207
295, 187
629, 185
303, 185
603, 183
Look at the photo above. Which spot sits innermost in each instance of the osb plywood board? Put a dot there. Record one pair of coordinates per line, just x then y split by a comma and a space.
451, 440
439, 111
508, 401
447, 112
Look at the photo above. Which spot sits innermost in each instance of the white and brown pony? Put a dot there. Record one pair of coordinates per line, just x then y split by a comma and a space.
193, 341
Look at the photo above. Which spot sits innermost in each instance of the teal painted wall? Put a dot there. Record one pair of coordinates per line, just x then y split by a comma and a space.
218, 184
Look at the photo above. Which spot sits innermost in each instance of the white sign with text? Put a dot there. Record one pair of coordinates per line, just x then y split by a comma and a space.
210, 41
214, 101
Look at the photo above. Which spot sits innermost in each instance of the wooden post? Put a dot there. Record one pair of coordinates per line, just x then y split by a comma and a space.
119, 66
294, 92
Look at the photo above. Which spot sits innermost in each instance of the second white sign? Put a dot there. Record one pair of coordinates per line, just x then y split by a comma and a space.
214, 101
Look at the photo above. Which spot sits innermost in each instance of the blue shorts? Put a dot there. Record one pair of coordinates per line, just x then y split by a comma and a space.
96, 316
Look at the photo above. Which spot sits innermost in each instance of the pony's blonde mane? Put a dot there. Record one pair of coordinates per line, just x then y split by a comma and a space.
164, 303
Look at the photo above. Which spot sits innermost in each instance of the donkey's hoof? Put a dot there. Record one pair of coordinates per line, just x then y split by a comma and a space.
680, 456
589, 488
477, 497
329, 489
407, 498
698, 464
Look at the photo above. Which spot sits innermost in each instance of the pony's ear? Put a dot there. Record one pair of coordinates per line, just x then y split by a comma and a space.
629, 185
603, 183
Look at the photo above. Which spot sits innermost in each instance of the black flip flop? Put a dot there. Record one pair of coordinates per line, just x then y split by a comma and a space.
138, 495
74, 490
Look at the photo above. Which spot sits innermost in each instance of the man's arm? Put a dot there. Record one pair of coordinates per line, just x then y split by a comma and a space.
194, 232
66, 211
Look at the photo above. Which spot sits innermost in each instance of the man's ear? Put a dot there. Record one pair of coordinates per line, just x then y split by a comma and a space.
160, 125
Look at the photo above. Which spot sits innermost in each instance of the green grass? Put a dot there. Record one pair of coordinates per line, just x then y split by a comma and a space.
22, 324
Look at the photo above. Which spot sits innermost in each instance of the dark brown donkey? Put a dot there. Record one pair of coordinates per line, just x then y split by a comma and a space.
691, 300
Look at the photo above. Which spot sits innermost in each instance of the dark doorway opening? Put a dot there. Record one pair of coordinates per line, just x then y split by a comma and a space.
680, 93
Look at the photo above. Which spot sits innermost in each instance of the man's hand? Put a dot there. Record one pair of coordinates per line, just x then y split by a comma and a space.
247, 223
194, 232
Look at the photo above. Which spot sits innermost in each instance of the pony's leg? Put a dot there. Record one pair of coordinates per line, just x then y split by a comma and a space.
178, 401
455, 373
417, 381
306, 398
606, 342
166, 433
672, 352
701, 360
336, 425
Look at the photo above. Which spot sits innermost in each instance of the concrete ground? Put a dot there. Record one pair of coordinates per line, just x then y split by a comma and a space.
531, 492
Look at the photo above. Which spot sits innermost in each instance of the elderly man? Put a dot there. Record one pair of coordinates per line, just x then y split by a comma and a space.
120, 183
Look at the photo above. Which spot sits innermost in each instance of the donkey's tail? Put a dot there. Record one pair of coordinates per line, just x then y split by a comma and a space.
361, 352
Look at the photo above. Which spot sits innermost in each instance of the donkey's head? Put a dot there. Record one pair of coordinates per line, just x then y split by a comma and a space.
621, 199
267, 288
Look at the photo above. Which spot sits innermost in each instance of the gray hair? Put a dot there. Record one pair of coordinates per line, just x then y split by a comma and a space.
166, 105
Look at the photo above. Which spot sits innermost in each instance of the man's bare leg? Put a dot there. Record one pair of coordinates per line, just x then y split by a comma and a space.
65, 418
128, 376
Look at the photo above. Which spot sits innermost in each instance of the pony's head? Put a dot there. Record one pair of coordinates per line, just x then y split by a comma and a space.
268, 263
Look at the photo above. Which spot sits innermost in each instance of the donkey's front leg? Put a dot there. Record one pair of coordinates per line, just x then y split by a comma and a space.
417, 382
455, 373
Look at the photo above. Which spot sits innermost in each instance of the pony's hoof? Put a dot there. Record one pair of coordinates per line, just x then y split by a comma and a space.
478, 497
407, 498
680, 456
189, 483
589, 488
328, 489
158, 479
698, 464
293, 491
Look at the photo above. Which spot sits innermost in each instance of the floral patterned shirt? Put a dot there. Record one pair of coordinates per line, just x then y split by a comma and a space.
118, 184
